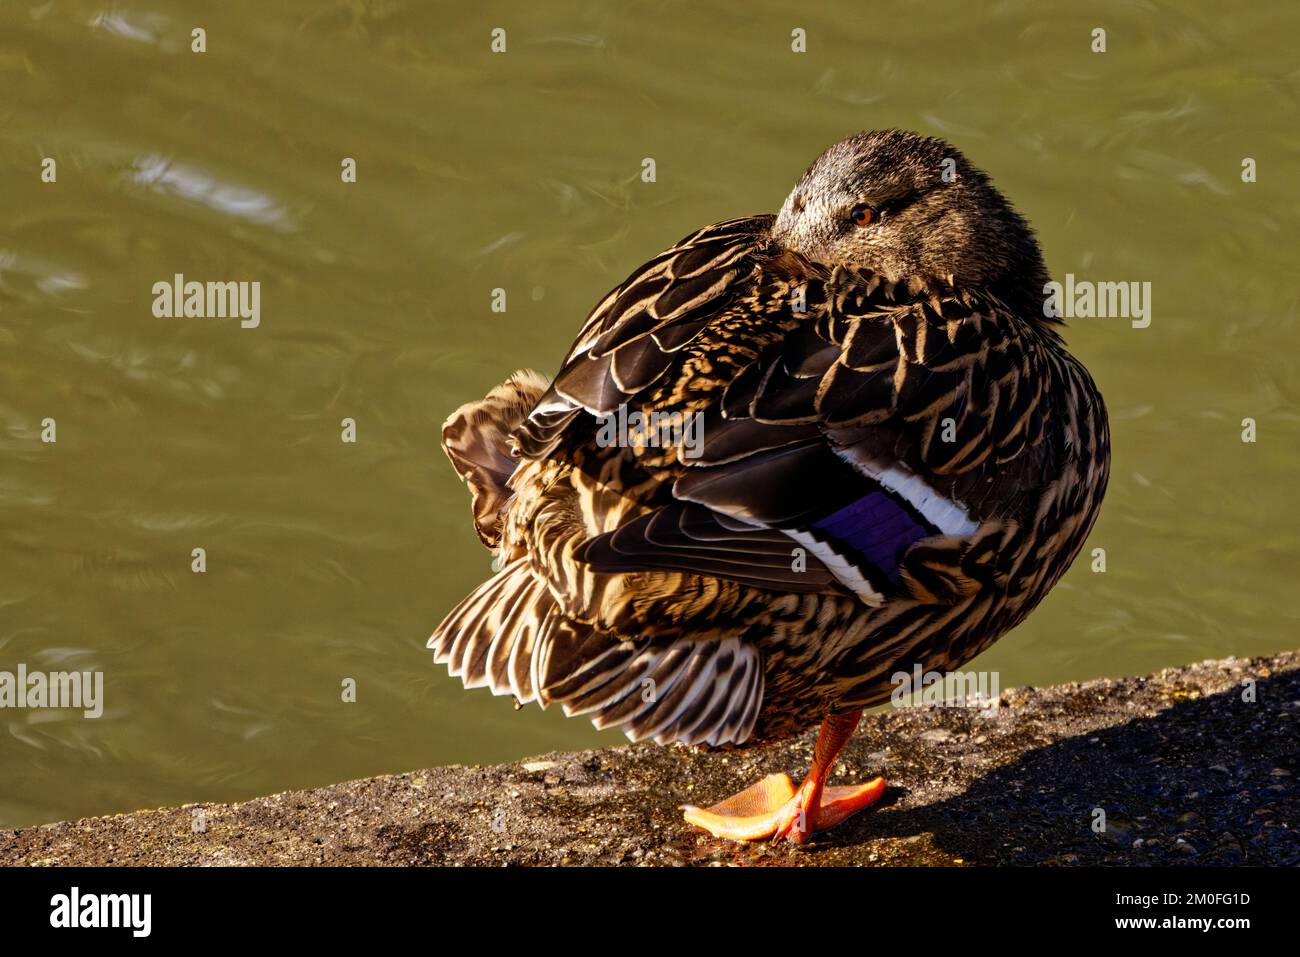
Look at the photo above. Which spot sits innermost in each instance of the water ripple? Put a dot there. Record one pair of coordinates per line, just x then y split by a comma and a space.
169, 178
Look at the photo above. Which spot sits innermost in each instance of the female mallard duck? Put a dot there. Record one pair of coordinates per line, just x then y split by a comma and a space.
785, 459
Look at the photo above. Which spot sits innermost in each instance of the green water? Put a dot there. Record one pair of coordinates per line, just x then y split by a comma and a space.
328, 560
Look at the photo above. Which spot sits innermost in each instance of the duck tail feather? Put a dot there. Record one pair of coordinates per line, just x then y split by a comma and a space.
707, 691
477, 439
484, 638
510, 636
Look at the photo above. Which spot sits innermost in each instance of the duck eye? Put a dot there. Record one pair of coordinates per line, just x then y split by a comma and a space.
863, 215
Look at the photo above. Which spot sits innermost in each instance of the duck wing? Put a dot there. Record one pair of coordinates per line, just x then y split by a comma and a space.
839, 421
630, 338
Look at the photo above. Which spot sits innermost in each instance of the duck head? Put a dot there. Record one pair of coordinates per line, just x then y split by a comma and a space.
903, 205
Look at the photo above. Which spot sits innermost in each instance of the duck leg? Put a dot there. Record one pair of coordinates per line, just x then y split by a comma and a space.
773, 808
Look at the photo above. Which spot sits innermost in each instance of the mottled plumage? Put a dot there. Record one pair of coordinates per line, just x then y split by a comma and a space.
897, 459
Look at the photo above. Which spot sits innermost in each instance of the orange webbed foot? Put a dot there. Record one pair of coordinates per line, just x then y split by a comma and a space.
773, 808
750, 815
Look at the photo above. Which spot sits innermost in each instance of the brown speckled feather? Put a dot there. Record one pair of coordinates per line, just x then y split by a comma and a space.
715, 593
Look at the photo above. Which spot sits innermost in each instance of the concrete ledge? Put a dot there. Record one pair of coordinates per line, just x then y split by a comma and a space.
1186, 771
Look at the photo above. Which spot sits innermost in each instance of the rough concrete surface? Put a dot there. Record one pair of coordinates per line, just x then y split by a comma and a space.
1187, 769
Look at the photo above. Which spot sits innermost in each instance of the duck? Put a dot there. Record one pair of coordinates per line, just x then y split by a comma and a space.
848, 443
